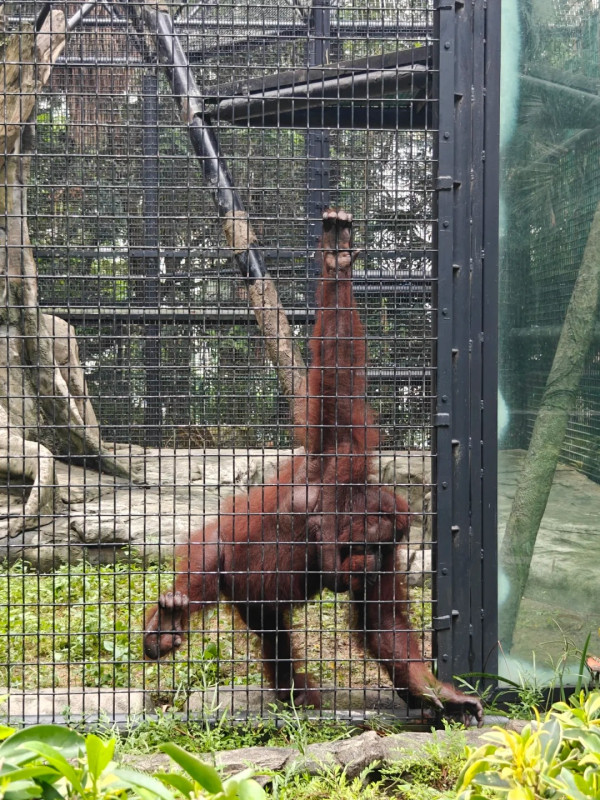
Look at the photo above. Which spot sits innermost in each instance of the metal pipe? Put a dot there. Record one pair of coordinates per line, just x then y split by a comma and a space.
216, 174
80, 15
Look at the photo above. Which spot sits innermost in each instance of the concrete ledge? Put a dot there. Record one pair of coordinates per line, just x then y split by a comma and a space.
60, 704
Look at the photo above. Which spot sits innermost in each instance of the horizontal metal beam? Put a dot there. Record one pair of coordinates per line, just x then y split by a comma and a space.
413, 61
182, 253
330, 96
214, 315
582, 107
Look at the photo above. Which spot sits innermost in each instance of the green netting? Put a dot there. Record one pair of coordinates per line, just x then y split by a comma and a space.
552, 189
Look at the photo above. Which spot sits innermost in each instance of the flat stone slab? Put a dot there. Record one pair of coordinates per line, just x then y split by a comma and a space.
61, 705
98, 516
257, 701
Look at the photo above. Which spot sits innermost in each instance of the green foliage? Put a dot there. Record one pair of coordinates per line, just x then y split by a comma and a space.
202, 736
426, 775
203, 780
53, 762
330, 784
80, 615
556, 758
82, 625
89, 618
301, 732
197, 735
432, 770
53, 635
531, 693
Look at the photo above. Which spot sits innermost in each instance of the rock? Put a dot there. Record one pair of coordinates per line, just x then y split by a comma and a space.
155, 762
519, 725
410, 476
267, 758
101, 516
259, 470
235, 700
400, 747
257, 700
353, 755
420, 567
76, 701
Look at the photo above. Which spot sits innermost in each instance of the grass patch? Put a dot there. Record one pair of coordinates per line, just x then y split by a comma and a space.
430, 774
82, 625
201, 737
433, 771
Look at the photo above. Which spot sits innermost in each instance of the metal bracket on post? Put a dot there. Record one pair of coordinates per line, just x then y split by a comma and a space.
444, 183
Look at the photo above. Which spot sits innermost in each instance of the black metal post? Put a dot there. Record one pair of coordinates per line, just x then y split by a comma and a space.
465, 449
445, 354
475, 366
466, 582
489, 347
151, 278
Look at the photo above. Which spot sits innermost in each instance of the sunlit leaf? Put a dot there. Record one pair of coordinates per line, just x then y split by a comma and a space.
142, 783
70, 743
207, 776
179, 782
99, 754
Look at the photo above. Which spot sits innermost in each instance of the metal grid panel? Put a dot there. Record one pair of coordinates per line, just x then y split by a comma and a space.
129, 251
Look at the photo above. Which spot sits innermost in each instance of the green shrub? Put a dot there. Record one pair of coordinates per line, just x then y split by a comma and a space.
557, 757
53, 762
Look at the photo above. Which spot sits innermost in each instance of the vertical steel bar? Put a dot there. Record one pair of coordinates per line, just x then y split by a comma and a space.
489, 356
444, 55
151, 262
471, 660
317, 141
467, 178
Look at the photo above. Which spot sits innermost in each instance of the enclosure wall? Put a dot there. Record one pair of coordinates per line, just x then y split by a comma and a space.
176, 159
549, 387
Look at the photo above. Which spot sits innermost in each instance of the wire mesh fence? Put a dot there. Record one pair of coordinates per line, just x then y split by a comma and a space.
140, 393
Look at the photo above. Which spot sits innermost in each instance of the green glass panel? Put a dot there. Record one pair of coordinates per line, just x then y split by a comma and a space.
549, 583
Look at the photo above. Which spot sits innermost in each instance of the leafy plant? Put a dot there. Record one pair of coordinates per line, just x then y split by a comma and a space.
557, 757
332, 783
54, 762
200, 735
529, 690
51, 761
202, 778
431, 770
300, 731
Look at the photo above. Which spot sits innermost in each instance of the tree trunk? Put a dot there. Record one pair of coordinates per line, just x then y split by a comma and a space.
44, 409
549, 430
